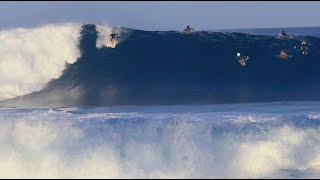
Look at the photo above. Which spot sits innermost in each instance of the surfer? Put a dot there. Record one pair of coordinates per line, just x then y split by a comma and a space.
283, 54
239, 57
242, 60
188, 30
284, 35
304, 47
113, 36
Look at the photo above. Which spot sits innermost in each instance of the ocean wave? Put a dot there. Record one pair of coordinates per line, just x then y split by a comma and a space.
81, 143
166, 68
31, 57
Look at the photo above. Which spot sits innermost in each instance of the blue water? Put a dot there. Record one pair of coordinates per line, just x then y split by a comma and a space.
172, 68
167, 105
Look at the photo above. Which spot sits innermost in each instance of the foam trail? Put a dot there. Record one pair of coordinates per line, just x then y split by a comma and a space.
31, 57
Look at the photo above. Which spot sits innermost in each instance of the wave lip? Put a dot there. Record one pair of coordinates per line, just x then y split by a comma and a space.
31, 57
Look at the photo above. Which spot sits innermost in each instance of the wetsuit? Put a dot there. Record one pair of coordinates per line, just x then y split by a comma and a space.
239, 58
113, 36
188, 30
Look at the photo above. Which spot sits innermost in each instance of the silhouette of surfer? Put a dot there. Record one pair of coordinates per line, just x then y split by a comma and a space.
188, 30
304, 47
114, 37
242, 60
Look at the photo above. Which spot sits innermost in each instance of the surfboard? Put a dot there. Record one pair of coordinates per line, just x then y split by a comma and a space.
243, 61
284, 37
112, 44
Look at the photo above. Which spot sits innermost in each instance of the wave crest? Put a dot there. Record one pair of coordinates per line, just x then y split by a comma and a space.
31, 57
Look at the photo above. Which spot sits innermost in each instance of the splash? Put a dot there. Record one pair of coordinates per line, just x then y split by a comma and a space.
104, 40
31, 57
155, 142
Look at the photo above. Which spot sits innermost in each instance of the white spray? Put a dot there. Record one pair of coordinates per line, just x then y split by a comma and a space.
31, 57
103, 39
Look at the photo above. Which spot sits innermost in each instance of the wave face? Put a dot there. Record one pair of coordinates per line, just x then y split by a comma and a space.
31, 57
267, 140
154, 68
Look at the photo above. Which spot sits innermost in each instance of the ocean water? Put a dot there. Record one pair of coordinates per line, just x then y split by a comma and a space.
154, 68
255, 140
160, 104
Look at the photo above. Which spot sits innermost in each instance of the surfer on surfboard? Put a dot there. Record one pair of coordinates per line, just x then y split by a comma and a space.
188, 30
304, 47
284, 35
113, 37
242, 59
113, 40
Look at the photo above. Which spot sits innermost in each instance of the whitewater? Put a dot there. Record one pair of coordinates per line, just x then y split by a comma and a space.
266, 140
158, 105
31, 57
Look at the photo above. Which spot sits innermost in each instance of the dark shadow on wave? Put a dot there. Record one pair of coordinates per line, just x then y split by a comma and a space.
162, 68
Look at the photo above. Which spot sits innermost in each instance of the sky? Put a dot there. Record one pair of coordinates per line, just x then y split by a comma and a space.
167, 15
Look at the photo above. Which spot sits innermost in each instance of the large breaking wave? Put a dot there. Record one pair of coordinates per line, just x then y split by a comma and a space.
258, 140
153, 67
31, 57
